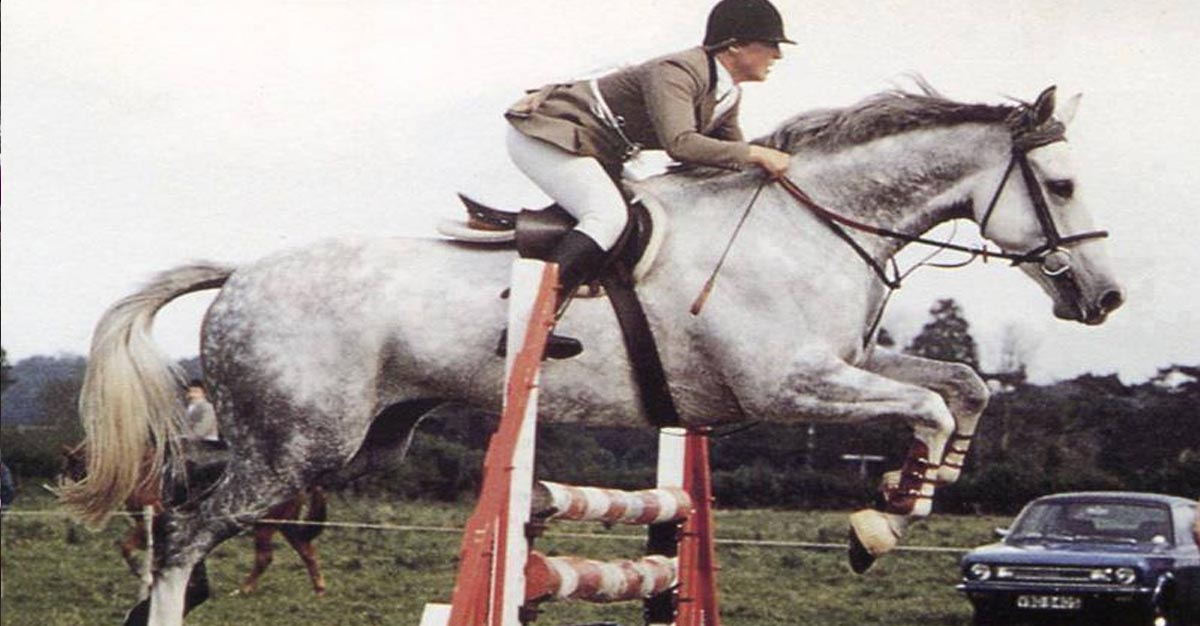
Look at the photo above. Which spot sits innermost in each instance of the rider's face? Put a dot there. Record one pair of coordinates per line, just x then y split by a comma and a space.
751, 60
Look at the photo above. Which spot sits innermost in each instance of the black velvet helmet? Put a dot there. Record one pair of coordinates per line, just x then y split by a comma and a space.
743, 20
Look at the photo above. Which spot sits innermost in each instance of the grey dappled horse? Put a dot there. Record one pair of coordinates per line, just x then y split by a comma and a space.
321, 360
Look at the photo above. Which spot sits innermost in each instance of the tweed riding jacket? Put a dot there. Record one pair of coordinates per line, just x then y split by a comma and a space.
666, 103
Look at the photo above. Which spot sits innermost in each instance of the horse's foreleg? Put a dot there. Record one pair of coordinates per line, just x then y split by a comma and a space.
963, 391
830, 390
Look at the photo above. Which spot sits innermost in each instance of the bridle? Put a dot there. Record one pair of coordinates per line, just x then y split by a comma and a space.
1026, 136
1055, 244
1052, 255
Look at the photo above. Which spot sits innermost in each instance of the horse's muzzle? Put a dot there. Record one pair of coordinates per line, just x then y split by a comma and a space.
1095, 312
1110, 301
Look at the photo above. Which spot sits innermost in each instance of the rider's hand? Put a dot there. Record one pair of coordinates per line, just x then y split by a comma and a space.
773, 161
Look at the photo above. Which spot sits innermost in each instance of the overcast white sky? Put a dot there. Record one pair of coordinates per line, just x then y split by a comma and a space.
141, 135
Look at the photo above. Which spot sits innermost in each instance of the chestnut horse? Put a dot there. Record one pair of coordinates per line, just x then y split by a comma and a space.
299, 536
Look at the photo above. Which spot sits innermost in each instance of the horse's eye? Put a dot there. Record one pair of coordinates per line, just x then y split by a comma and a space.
1061, 187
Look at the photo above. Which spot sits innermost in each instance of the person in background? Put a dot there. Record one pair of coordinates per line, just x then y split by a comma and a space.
201, 418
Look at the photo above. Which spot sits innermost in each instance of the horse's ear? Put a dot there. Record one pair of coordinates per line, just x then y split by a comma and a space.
1065, 112
1043, 107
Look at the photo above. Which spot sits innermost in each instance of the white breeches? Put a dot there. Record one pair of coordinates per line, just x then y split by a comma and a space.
577, 183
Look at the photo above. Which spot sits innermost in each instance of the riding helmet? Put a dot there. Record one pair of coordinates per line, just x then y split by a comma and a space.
743, 20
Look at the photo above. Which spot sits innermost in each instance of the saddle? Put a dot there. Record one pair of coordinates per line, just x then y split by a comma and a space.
535, 234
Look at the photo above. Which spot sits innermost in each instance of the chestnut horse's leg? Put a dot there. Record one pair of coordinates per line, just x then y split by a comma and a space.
263, 555
301, 537
263, 532
134, 541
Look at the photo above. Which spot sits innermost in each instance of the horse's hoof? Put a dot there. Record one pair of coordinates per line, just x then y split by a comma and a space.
139, 615
870, 537
860, 559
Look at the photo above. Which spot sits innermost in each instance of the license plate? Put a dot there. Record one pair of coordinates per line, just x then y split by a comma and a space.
1051, 603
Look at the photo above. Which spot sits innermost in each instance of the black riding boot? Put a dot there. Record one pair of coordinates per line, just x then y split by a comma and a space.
579, 258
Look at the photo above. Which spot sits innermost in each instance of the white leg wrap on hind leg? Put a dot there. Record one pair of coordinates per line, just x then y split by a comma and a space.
167, 597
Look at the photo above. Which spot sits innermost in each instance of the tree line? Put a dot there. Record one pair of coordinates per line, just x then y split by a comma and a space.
1088, 433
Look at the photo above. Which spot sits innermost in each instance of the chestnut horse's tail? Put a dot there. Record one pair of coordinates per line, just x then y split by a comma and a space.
130, 403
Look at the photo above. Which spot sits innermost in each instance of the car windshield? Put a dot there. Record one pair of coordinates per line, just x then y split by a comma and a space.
1119, 522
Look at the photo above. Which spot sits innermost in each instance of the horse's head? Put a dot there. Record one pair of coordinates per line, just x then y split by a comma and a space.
1036, 211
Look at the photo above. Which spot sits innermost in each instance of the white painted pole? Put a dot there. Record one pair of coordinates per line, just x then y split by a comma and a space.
526, 283
672, 442
147, 574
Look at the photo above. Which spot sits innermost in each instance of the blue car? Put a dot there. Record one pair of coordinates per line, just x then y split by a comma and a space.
1085, 558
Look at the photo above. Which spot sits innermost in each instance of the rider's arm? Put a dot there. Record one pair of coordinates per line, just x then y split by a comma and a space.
671, 91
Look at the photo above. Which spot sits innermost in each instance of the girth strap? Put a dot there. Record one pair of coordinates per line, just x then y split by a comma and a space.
642, 349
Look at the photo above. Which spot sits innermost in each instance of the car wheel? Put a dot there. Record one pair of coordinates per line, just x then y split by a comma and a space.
1185, 601
981, 618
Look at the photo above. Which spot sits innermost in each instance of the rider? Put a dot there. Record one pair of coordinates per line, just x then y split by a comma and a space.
571, 139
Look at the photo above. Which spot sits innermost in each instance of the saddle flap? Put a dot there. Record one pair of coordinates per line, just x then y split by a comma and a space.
538, 231
535, 232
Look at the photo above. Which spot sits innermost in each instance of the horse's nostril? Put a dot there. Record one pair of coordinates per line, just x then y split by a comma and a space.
1111, 300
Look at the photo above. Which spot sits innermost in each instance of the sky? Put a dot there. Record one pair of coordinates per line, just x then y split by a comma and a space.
137, 136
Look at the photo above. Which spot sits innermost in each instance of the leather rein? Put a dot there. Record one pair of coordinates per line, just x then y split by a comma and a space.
1055, 244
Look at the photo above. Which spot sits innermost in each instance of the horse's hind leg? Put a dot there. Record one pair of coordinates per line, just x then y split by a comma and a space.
245, 492
196, 591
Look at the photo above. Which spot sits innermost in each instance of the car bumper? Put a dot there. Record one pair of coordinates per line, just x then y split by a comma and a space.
1124, 605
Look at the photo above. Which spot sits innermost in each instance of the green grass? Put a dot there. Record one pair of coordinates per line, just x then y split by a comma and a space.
56, 574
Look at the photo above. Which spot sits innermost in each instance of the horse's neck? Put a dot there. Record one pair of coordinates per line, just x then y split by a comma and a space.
907, 183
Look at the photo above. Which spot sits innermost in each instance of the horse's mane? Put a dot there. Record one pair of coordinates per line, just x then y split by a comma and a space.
881, 115
889, 113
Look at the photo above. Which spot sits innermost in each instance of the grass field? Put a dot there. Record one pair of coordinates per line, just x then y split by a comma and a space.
56, 574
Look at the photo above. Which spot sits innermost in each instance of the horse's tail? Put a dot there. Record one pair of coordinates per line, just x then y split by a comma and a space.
317, 514
130, 403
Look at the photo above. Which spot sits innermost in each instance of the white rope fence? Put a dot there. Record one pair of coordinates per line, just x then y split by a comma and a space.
457, 530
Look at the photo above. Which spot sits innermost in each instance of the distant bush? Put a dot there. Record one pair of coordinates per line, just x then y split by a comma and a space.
762, 486
34, 453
